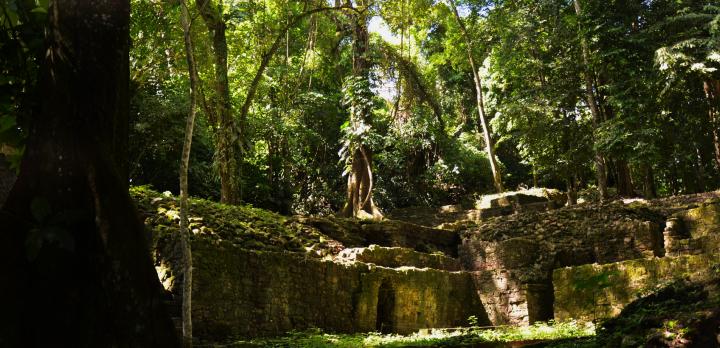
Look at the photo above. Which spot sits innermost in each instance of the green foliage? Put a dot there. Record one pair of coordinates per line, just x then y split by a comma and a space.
433, 338
22, 26
649, 61
158, 121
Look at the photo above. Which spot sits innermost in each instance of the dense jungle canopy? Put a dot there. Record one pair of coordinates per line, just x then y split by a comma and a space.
415, 102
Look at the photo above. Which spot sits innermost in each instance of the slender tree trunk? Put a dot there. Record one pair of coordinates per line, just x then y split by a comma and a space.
184, 166
648, 182
228, 136
77, 271
360, 179
600, 170
571, 190
497, 176
700, 172
712, 92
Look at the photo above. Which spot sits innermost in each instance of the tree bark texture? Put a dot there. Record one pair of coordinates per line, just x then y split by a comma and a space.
600, 169
571, 190
228, 136
497, 175
77, 267
624, 179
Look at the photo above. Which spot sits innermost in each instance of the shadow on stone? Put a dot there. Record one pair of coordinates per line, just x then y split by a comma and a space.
385, 308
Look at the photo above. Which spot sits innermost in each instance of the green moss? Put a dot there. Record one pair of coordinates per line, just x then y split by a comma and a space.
241, 225
601, 291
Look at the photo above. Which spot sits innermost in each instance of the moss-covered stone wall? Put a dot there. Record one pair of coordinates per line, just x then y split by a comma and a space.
394, 257
703, 227
241, 293
602, 291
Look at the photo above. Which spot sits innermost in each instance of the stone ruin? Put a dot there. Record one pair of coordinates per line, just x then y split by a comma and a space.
395, 276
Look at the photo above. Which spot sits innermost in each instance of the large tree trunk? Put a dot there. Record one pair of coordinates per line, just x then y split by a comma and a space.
77, 270
624, 179
600, 171
184, 166
227, 134
360, 180
497, 175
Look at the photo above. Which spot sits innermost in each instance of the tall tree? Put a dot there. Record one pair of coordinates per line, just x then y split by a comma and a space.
79, 271
228, 136
497, 176
600, 170
359, 202
695, 50
184, 166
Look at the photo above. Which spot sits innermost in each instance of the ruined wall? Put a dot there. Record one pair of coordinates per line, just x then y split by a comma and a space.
394, 257
702, 226
692, 242
591, 292
240, 293
514, 257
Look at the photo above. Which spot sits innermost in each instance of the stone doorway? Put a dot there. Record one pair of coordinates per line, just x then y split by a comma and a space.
385, 322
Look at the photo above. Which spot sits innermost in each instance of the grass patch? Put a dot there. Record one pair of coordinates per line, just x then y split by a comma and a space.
477, 337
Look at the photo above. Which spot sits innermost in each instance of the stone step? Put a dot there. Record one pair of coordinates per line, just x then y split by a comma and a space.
394, 257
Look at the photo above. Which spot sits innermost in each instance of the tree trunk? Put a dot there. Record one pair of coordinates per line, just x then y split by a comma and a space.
184, 166
228, 136
712, 92
77, 269
624, 179
648, 182
571, 190
700, 170
497, 176
600, 171
360, 180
